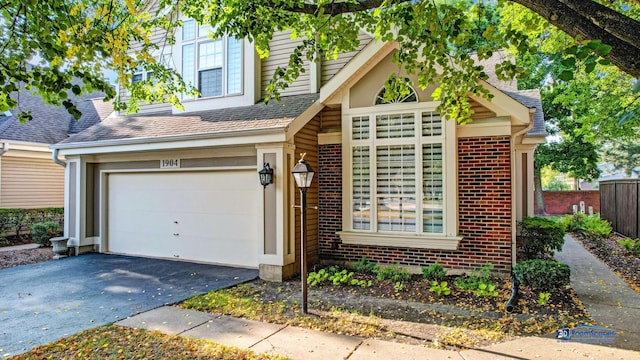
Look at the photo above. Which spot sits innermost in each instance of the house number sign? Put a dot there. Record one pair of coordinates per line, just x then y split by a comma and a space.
170, 164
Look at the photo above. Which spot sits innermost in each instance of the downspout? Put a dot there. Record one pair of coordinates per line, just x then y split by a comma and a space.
54, 156
4, 149
510, 305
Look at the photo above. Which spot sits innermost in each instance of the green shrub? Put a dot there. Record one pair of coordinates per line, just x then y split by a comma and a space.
589, 226
393, 273
565, 222
596, 228
18, 222
440, 288
543, 298
632, 245
434, 271
475, 278
366, 266
336, 277
540, 237
542, 275
43, 231
486, 290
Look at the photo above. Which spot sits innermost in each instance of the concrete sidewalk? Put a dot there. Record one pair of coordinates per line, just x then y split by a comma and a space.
20, 247
609, 300
305, 344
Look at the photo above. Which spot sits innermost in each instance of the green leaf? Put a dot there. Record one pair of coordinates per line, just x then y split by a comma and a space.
566, 75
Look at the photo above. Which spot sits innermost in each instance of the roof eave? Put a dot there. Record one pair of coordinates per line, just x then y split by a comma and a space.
223, 138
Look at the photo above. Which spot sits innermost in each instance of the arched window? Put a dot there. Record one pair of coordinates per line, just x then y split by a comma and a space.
411, 97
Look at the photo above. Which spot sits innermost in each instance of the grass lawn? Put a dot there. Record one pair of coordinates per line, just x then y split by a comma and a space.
114, 342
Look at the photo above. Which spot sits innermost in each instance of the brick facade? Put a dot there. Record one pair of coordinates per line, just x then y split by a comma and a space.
484, 198
561, 202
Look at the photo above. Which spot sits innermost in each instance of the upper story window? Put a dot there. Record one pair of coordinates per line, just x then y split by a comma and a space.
141, 75
213, 66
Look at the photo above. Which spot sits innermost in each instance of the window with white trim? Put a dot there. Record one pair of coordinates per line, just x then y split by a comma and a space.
140, 75
397, 157
213, 66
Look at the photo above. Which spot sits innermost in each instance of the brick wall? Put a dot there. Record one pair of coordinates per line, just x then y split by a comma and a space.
484, 206
561, 202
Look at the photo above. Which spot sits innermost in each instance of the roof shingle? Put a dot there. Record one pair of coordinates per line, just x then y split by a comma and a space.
259, 116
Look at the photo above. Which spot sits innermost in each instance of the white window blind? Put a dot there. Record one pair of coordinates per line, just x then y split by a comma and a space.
361, 189
407, 170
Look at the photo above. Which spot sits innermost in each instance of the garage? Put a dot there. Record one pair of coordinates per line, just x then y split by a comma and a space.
207, 216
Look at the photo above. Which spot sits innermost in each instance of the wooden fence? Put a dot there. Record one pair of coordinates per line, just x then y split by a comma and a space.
619, 201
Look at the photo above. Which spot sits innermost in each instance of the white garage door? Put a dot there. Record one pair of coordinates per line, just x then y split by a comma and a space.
201, 216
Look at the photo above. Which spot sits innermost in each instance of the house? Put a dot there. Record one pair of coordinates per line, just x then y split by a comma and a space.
28, 177
395, 181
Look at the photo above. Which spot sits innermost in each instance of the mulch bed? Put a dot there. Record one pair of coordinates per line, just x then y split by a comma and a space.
24, 257
616, 257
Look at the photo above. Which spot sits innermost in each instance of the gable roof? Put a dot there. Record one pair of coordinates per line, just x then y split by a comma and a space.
50, 123
260, 116
529, 98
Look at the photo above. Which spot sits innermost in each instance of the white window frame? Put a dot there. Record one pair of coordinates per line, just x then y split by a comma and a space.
201, 37
449, 238
166, 59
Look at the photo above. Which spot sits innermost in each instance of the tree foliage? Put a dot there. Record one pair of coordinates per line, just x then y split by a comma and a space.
623, 155
436, 40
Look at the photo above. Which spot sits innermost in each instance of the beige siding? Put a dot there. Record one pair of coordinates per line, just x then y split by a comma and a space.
479, 111
281, 48
331, 119
158, 36
331, 67
306, 141
31, 183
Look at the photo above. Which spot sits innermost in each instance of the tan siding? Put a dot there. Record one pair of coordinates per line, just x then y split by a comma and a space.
31, 183
479, 111
331, 67
281, 48
331, 119
158, 36
306, 141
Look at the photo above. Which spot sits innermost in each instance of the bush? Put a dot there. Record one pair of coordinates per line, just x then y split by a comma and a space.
475, 278
590, 226
393, 273
632, 245
434, 272
540, 237
542, 275
43, 231
596, 228
366, 266
19, 221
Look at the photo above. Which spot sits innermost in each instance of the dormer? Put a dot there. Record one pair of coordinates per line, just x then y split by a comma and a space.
225, 70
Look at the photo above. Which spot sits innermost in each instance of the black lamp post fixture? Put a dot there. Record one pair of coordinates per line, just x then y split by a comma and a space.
303, 174
266, 175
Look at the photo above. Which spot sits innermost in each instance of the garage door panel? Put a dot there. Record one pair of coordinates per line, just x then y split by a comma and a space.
202, 216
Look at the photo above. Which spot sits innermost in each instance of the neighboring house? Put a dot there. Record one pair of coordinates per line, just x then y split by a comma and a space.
394, 182
28, 177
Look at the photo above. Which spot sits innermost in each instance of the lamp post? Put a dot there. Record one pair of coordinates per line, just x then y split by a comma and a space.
303, 174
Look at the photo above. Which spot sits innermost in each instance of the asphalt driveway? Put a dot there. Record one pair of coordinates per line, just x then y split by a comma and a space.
41, 303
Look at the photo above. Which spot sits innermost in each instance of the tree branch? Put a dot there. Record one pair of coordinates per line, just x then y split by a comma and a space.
333, 9
615, 23
624, 55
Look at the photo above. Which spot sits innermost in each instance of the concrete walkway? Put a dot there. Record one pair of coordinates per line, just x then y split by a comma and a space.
19, 247
607, 298
304, 344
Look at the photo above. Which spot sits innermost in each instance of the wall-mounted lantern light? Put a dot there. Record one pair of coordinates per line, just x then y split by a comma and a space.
266, 175
303, 174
